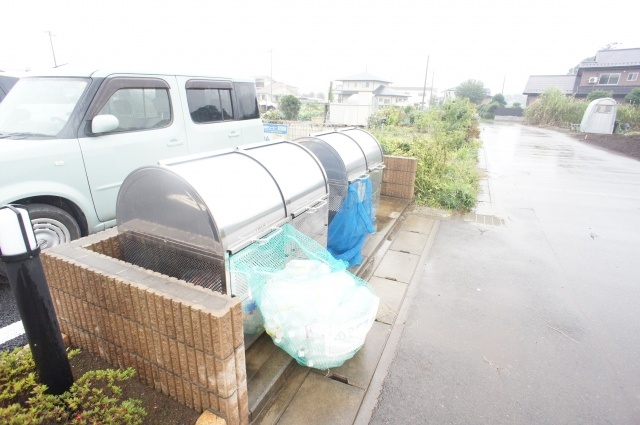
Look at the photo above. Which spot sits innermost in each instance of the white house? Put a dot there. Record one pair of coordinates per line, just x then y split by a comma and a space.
270, 91
358, 96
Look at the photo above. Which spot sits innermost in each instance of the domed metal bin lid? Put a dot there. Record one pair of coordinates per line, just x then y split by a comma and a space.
216, 202
341, 156
298, 173
369, 145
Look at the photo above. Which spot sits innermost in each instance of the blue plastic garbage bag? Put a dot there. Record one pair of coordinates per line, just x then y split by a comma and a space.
352, 223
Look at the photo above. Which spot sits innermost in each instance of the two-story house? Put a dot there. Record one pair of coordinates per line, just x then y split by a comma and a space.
358, 96
616, 71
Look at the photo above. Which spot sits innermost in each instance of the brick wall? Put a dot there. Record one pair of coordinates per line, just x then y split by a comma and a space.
183, 340
399, 177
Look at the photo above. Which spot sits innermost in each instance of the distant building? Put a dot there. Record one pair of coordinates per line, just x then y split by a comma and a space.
612, 70
270, 92
357, 97
537, 84
417, 94
616, 70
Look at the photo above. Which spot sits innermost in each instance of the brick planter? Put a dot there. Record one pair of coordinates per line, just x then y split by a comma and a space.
399, 177
183, 340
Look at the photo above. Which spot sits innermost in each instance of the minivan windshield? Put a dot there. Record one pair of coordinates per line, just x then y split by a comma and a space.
39, 107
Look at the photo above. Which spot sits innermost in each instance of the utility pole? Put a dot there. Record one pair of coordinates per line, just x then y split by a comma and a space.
433, 76
503, 80
55, 64
271, 85
424, 88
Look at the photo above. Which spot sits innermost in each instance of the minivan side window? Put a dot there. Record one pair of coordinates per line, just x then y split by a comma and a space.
247, 101
139, 108
209, 101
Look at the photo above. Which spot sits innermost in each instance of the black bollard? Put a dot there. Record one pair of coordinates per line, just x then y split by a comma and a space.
29, 285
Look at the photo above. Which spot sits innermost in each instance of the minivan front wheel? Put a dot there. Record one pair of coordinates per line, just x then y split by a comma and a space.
52, 225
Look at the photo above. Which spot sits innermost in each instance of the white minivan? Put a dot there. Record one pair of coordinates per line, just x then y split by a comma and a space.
69, 138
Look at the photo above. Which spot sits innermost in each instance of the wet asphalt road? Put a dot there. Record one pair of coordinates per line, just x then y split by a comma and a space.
536, 321
9, 314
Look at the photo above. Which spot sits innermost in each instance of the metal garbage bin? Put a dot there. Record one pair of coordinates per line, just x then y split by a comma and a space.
305, 199
374, 157
343, 162
347, 155
184, 217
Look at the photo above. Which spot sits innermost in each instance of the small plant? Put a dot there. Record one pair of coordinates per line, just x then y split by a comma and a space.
271, 115
93, 399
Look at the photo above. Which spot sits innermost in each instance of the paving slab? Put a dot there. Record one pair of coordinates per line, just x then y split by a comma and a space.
411, 242
359, 370
323, 401
397, 266
391, 294
418, 224
271, 414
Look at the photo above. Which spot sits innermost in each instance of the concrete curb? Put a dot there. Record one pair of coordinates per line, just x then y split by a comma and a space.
370, 401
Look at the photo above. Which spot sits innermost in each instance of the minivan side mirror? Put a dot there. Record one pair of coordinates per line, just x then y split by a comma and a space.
104, 123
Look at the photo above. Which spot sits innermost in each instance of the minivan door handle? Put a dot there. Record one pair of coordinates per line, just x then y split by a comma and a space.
234, 133
174, 142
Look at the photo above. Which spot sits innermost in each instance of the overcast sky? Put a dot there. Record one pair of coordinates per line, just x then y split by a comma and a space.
310, 43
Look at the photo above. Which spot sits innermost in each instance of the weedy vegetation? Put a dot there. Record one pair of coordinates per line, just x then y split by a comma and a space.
444, 140
94, 398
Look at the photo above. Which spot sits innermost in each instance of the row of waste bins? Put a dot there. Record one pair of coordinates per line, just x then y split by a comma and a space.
184, 217
203, 218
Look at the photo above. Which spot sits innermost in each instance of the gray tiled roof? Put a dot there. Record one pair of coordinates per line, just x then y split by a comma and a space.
539, 83
365, 76
610, 58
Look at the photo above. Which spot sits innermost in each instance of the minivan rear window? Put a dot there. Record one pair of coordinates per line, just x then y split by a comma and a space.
247, 101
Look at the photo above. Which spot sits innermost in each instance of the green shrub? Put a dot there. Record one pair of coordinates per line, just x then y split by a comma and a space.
444, 142
598, 94
633, 97
554, 108
488, 111
94, 398
289, 106
308, 111
629, 114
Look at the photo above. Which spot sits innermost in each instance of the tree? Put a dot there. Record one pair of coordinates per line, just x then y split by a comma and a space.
599, 94
289, 105
473, 90
633, 97
330, 98
517, 105
500, 99
574, 70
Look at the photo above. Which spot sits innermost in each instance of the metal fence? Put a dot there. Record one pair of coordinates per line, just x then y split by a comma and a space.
295, 129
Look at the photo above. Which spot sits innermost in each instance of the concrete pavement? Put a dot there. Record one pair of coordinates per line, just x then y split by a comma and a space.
526, 311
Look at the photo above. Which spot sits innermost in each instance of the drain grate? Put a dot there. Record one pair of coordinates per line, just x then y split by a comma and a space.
490, 220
